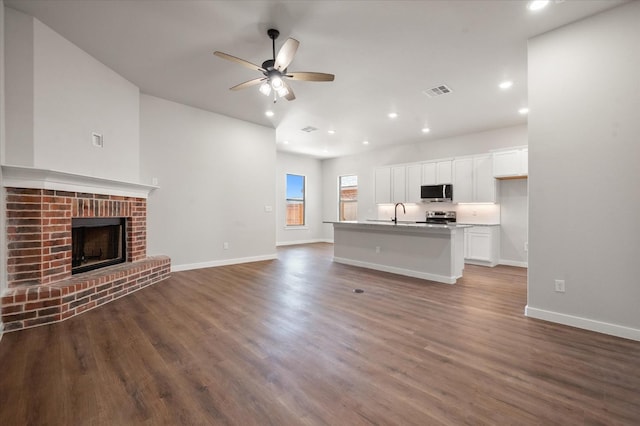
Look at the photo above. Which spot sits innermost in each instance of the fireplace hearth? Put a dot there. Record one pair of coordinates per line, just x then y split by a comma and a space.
97, 243
55, 236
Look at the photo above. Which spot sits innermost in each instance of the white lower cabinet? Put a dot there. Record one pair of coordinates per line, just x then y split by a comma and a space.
482, 245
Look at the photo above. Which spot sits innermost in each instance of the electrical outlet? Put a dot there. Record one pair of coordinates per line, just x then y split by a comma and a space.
559, 286
154, 181
526, 246
377, 249
225, 245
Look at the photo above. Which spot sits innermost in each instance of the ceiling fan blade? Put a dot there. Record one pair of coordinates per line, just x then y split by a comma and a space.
286, 54
289, 96
248, 83
239, 61
310, 76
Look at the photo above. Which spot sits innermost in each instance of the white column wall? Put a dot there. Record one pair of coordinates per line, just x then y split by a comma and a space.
584, 97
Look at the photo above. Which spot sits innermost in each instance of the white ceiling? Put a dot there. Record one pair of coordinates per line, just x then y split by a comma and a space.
384, 55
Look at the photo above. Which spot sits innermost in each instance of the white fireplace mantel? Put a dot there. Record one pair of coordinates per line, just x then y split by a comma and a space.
32, 178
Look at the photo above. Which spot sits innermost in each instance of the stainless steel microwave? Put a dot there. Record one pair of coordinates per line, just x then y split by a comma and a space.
436, 192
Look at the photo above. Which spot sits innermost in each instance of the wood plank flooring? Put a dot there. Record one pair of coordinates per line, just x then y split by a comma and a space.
288, 342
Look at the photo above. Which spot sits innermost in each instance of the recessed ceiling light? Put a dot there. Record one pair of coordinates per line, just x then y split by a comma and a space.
393, 115
536, 5
505, 84
331, 132
365, 142
325, 150
269, 113
523, 111
426, 130
285, 142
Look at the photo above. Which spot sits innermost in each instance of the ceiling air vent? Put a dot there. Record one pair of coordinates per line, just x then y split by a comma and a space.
309, 129
441, 89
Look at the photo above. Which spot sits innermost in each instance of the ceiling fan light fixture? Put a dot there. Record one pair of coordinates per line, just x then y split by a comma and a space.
265, 88
277, 83
275, 70
282, 91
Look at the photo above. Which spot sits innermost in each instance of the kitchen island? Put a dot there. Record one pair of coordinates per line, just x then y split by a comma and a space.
429, 251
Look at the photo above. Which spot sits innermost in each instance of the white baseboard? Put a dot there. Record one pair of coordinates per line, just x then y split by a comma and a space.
399, 271
518, 263
479, 263
224, 262
293, 243
584, 323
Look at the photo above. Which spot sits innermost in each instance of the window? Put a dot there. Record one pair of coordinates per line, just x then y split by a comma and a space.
295, 200
348, 197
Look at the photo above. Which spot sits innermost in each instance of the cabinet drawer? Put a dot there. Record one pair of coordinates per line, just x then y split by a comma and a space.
479, 230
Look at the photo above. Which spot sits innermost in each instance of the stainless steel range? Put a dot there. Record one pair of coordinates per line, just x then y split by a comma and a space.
439, 216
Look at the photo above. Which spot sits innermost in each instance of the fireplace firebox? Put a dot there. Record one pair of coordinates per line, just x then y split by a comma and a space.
97, 242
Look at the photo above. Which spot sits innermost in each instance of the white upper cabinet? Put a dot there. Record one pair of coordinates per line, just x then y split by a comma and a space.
437, 172
463, 180
473, 180
511, 163
473, 177
484, 184
399, 184
414, 181
383, 185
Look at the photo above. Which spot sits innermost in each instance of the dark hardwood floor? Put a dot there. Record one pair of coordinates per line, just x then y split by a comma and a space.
288, 342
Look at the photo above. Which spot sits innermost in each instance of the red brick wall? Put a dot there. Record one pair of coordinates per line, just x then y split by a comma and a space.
39, 230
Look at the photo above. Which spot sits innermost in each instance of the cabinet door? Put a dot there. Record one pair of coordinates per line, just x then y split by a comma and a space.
399, 184
383, 185
484, 182
463, 180
524, 162
430, 173
479, 246
466, 243
507, 163
414, 180
444, 172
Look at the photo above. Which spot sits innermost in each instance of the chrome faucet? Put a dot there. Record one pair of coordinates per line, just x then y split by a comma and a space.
395, 211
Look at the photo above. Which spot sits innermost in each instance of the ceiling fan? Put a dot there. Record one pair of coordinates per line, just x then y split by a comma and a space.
275, 70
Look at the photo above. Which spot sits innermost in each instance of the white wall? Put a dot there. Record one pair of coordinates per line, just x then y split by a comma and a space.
3, 256
363, 165
584, 97
312, 169
216, 175
61, 96
514, 218
18, 34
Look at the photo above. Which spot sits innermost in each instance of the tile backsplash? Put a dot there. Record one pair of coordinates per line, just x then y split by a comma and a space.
481, 214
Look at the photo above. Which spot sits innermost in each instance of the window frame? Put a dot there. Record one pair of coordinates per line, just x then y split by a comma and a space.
287, 200
341, 200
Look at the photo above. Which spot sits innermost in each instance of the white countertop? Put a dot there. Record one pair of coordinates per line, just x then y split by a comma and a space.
400, 224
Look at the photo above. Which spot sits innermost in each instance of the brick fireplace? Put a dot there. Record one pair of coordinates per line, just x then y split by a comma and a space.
42, 288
